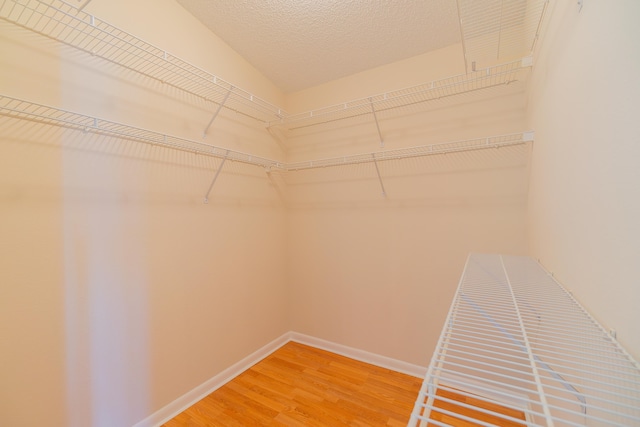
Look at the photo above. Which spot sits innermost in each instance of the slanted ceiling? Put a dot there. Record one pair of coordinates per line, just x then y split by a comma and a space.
302, 43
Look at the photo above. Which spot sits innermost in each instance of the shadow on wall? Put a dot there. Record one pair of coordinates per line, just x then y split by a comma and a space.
487, 177
137, 172
119, 209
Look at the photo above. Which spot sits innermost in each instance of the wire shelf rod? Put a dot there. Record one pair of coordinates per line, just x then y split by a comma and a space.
464, 393
604, 371
548, 336
550, 331
453, 347
602, 366
477, 421
584, 386
426, 384
475, 408
548, 353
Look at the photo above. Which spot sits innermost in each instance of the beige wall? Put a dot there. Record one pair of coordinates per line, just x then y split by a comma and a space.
585, 194
378, 273
119, 289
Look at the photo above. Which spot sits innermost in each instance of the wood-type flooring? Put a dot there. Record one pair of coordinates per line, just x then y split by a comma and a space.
472, 413
298, 385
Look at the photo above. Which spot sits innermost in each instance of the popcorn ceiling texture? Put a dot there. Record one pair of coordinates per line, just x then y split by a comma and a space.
302, 43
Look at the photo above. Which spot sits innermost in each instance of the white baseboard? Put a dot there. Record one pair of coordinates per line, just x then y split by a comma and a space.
361, 355
169, 411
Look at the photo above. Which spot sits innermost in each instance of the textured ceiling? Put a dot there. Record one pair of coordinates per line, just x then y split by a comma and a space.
303, 43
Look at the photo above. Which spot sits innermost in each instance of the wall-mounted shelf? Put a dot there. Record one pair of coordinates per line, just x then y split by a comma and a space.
70, 26
419, 151
514, 336
487, 78
25, 110
498, 30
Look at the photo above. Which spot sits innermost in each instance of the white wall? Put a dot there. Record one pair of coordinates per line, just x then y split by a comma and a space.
119, 289
584, 200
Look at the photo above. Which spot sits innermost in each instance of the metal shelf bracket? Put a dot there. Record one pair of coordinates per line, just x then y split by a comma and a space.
375, 162
375, 117
204, 134
206, 197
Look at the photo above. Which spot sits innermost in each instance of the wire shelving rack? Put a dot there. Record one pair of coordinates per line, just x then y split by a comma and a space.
418, 151
497, 30
70, 26
515, 336
25, 110
491, 77
73, 27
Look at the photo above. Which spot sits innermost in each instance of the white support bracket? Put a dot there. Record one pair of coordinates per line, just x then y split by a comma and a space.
206, 197
375, 117
375, 162
204, 134
528, 136
84, 5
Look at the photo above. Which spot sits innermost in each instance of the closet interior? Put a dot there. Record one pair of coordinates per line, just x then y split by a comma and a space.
164, 223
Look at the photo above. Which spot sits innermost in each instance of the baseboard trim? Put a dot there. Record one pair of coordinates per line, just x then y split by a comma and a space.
361, 355
169, 411
172, 409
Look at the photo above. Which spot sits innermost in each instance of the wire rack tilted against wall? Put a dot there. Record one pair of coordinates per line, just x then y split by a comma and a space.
517, 338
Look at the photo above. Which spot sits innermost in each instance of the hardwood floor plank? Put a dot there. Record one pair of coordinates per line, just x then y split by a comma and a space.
299, 385
478, 415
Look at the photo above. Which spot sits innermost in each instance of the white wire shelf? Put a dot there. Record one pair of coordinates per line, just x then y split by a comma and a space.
515, 336
73, 27
487, 78
418, 151
498, 30
24, 110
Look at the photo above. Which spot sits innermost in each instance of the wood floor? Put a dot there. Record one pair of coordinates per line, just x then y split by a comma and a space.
303, 386
478, 403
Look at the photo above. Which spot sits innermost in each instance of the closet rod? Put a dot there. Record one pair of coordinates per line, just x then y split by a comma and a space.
25, 110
